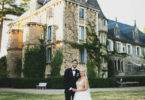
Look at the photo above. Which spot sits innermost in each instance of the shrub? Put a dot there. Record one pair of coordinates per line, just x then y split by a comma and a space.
3, 66
57, 82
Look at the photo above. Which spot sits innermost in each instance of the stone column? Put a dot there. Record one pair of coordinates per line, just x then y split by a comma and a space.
14, 56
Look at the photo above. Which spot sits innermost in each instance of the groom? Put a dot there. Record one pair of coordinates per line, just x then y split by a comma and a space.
71, 75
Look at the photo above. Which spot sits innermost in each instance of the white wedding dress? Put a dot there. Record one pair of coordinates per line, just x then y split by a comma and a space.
82, 95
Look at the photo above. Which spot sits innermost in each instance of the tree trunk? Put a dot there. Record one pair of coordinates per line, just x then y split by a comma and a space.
1, 25
1, 30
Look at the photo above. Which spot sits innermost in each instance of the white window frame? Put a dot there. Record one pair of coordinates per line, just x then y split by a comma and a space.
80, 33
130, 49
139, 51
110, 45
48, 55
119, 49
83, 13
83, 60
51, 35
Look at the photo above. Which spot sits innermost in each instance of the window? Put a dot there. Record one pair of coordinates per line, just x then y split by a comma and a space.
82, 56
138, 51
81, 12
110, 45
101, 22
104, 22
103, 60
104, 39
118, 47
50, 12
129, 49
49, 32
48, 55
81, 33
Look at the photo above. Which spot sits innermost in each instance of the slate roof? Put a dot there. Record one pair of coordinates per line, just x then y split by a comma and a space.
126, 33
90, 3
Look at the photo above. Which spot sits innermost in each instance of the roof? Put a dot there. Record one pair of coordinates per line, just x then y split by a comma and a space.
90, 3
126, 33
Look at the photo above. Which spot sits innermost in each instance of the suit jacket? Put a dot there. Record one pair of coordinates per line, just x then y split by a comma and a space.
70, 80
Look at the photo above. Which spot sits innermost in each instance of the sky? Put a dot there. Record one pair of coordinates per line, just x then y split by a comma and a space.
126, 11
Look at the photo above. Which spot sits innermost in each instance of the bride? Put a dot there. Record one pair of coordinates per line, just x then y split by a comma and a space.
82, 91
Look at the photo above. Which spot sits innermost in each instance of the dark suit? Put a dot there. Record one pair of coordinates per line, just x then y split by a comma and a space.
70, 81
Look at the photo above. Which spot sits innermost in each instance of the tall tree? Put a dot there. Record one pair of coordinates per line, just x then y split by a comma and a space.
93, 46
8, 7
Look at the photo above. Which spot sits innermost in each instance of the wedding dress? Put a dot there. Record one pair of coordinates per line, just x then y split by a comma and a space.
81, 95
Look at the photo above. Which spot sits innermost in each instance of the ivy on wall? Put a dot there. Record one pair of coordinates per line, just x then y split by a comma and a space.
93, 47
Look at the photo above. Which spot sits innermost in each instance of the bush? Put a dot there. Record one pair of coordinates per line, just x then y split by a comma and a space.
52, 82
3, 66
57, 82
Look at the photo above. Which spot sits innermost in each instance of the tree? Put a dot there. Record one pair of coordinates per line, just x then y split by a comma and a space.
25, 4
93, 47
35, 61
56, 63
8, 7
3, 67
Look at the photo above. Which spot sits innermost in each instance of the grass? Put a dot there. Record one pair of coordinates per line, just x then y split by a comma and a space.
112, 95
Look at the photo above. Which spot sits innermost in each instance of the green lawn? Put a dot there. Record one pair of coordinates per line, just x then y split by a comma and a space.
113, 95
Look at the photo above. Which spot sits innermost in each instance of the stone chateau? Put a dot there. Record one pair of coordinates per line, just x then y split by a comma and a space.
66, 21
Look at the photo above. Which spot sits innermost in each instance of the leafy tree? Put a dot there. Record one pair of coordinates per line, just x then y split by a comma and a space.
35, 61
8, 7
3, 65
93, 47
25, 4
56, 63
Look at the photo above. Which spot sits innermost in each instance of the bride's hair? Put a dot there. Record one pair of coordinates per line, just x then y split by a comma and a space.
82, 68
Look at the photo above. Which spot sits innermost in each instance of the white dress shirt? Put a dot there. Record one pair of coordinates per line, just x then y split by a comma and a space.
74, 72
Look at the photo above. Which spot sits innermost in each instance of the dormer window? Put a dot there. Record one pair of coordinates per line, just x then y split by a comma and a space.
135, 35
116, 31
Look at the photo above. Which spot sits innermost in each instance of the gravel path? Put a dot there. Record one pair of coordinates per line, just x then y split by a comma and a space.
61, 91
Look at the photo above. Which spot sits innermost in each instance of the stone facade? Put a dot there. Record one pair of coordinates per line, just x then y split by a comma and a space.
14, 53
63, 17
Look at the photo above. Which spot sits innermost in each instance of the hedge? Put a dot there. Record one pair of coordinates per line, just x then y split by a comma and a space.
57, 82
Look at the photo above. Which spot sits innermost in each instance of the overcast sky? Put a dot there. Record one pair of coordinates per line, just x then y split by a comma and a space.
126, 11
